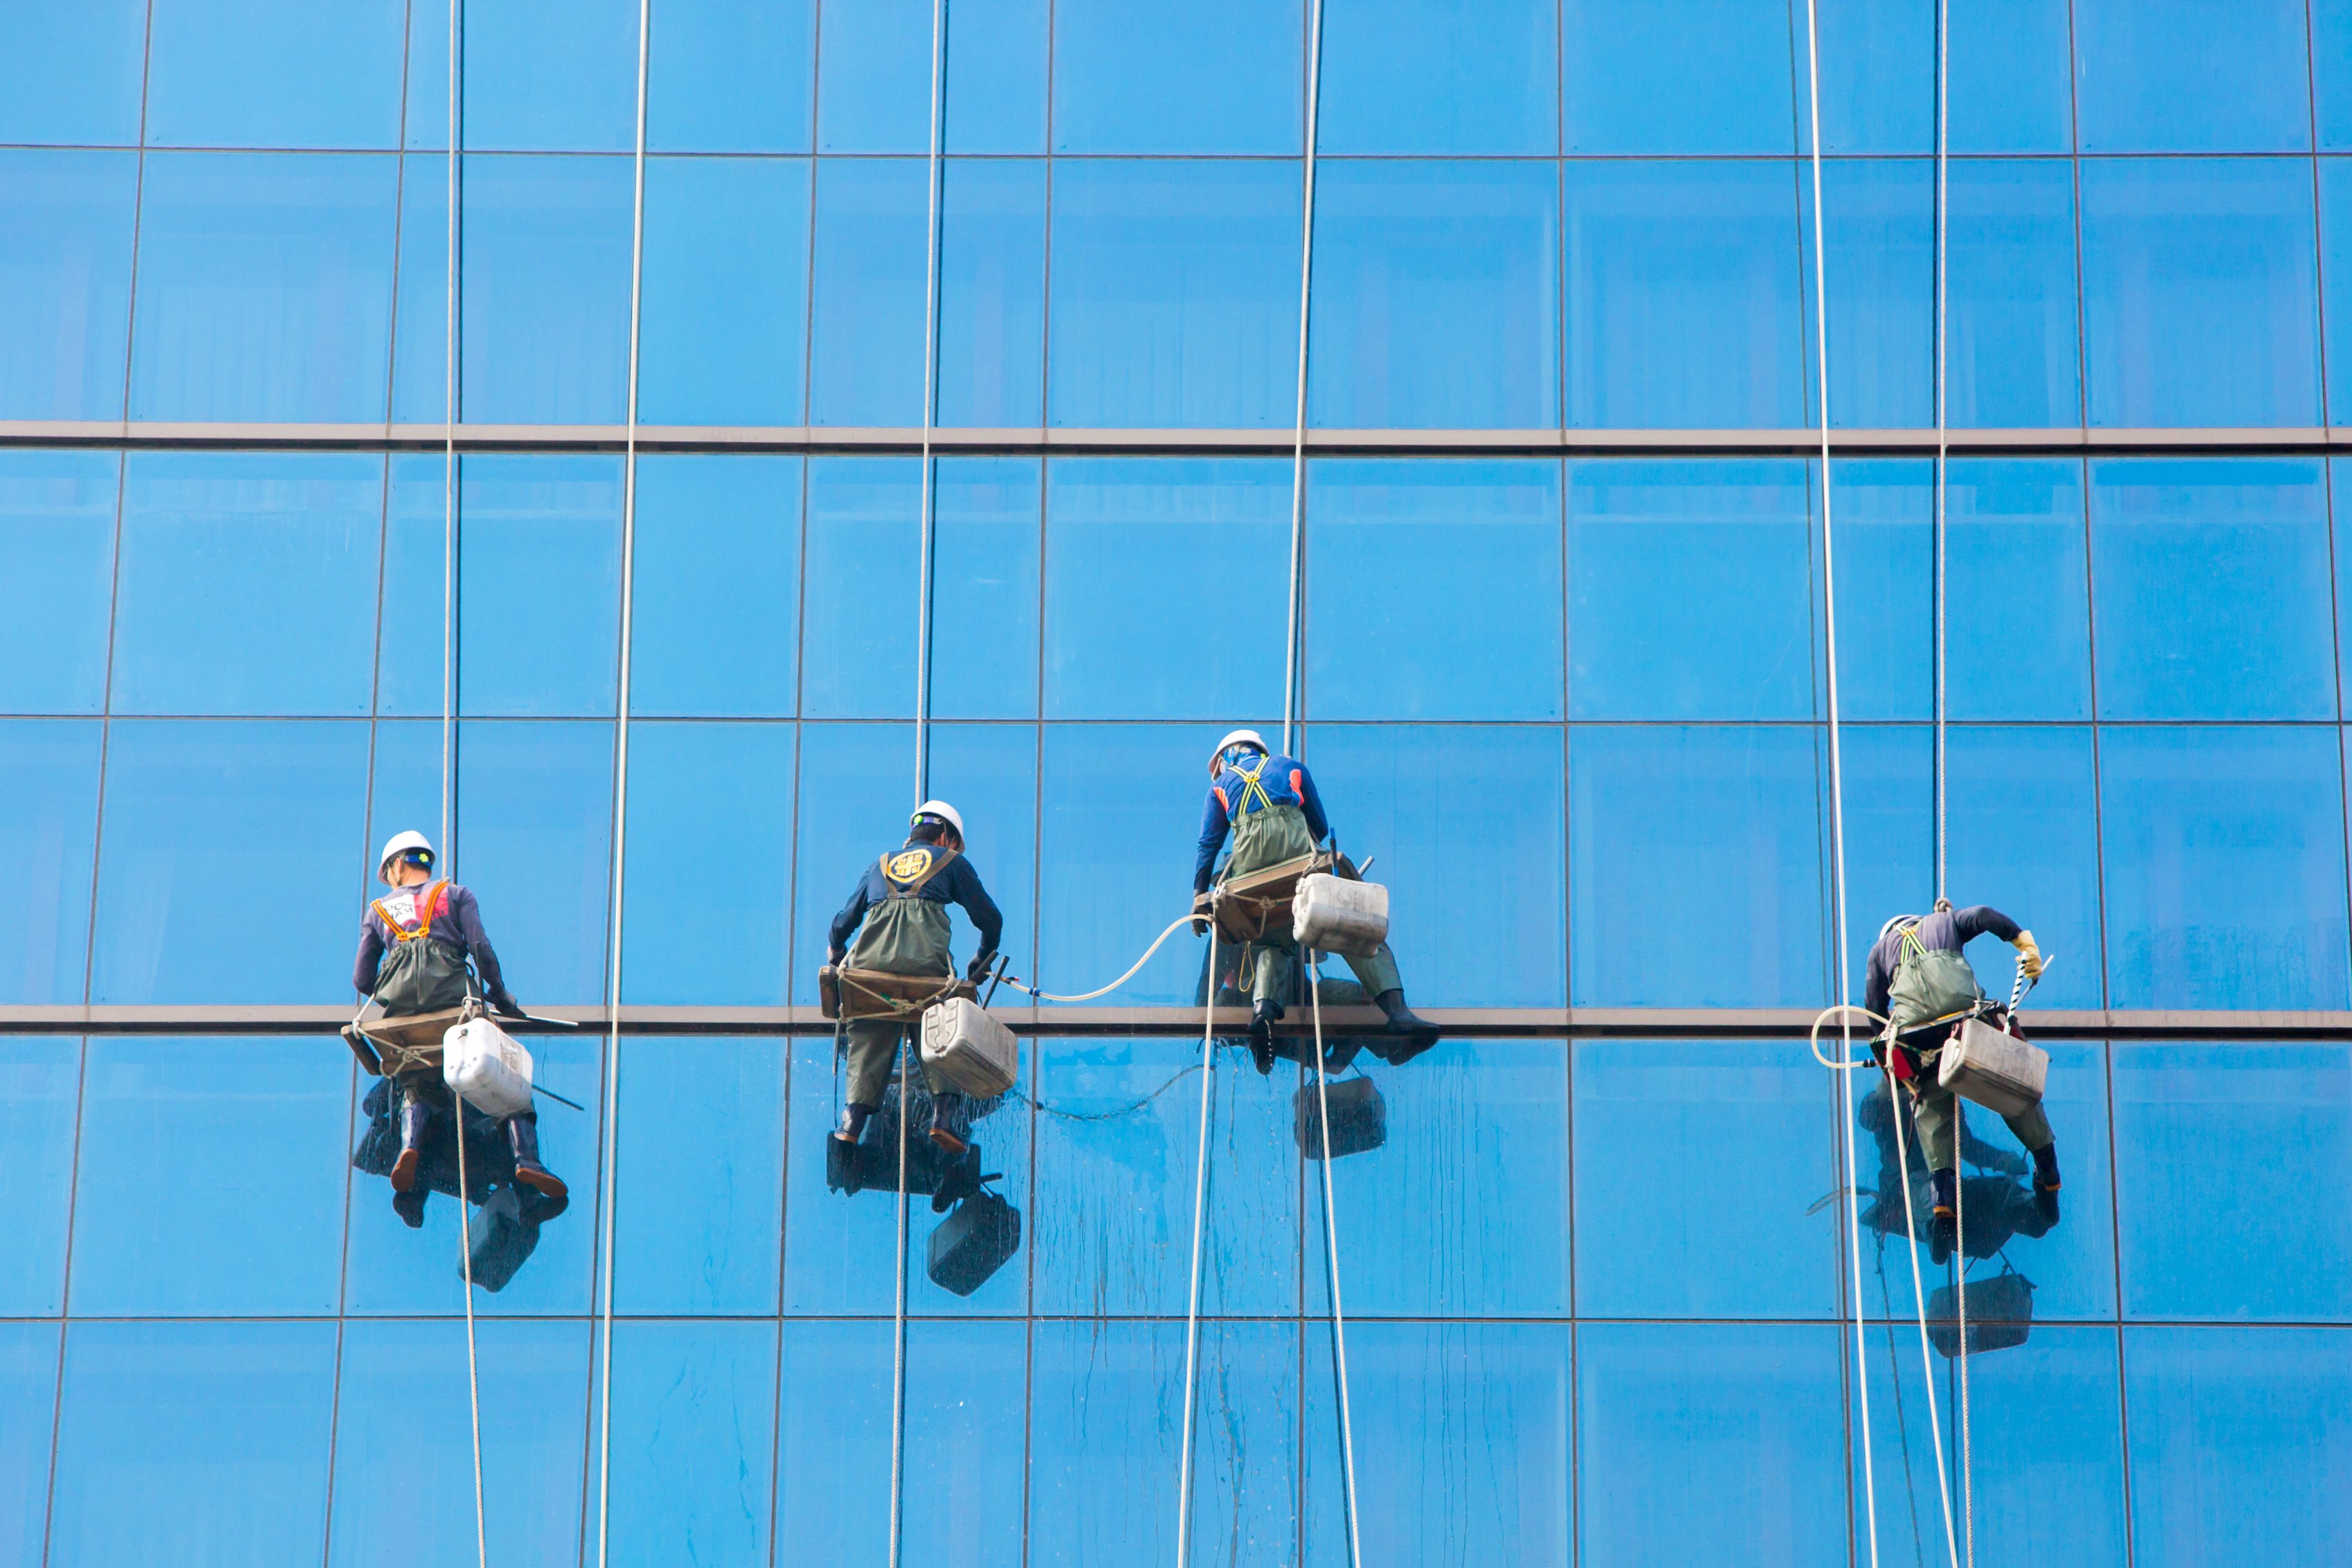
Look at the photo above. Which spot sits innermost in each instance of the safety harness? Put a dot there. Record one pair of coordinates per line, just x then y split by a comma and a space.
421, 973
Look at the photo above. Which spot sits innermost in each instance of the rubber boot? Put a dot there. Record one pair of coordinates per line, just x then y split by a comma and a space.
416, 1118
948, 1123
523, 1133
1943, 1224
1261, 1033
959, 1179
2045, 1182
852, 1122
410, 1207
1419, 1033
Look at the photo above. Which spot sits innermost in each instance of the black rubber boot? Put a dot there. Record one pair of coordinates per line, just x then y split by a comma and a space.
1261, 1036
1419, 1033
2045, 1182
416, 1118
1943, 1224
522, 1133
852, 1122
410, 1207
959, 1179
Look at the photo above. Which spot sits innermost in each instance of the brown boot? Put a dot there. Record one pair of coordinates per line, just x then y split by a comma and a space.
523, 1133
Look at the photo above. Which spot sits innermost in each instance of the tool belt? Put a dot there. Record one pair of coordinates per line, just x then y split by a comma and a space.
844, 993
1249, 906
388, 1047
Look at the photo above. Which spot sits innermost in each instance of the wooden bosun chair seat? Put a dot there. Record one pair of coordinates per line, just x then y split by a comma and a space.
1248, 906
844, 993
387, 1047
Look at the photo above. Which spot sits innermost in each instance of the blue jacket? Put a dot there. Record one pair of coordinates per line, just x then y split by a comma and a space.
958, 883
1282, 781
1948, 931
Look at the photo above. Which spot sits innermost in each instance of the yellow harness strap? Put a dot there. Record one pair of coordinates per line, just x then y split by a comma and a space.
1253, 795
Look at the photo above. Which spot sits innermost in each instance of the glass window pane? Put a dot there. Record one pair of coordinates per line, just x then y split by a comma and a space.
539, 586
2046, 1458
1888, 774
2011, 354
1685, 293
874, 78
1654, 1249
173, 1218
996, 77
197, 813
1430, 800
545, 308
840, 1249
1884, 515
2224, 856
1121, 808
265, 286
75, 74
866, 346
2180, 76
1117, 1143
1880, 218
989, 772
274, 73
2200, 292
1727, 629
1222, 76
1878, 77
418, 513
2335, 227
726, 296
421, 348
1438, 299
851, 811
2241, 1441
1686, 829
48, 776
1684, 76
2331, 59
2046, 877
29, 1396
731, 76
1434, 589
2019, 646
396, 1437
534, 820
57, 529
1756, 1410
149, 1411
65, 281
1471, 1444
1464, 1208
1440, 76
247, 583
2180, 639
1103, 1441
1141, 554
693, 1408
992, 283
1174, 291
41, 1076
539, 75
2278, 1118
861, 588
700, 1217
711, 863
987, 519
717, 586
2009, 87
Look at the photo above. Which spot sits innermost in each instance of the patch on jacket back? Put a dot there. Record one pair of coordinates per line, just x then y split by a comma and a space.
907, 864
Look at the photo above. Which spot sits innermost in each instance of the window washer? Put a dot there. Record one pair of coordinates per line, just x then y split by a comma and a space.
1920, 980
414, 943
1271, 806
907, 892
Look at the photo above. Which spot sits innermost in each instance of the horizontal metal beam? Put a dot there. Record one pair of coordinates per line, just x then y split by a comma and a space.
1039, 440
1485, 1023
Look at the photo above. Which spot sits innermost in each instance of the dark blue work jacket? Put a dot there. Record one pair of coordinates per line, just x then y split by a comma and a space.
958, 883
1235, 794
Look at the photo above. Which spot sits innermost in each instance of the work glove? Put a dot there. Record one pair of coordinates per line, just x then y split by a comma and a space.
836, 956
502, 1001
2029, 957
1200, 912
977, 971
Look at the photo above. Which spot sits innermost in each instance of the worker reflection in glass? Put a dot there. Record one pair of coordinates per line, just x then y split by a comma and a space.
902, 901
415, 948
1270, 805
1920, 979
2000, 1205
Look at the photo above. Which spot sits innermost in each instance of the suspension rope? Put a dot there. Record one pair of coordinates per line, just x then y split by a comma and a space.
1837, 775
1943, 68
1295, 610
608, 1194
1192, 1300
1331, 1264
930, 401
448, 747
1898, 1113
899, 1340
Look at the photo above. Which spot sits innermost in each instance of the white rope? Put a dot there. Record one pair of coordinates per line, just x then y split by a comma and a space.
1960, 1296
449, 751
1331, 1264
1193, 1301
931, 400
1898, 1113
899, 1340
608, 1192
1297, 607
1837, 776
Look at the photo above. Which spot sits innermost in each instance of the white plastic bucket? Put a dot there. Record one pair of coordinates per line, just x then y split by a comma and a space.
1994, 1067
487, 1066
970, 1048
1331, 914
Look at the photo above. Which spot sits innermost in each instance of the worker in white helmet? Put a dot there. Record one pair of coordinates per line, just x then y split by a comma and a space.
1270, 805
901, 902
422, 949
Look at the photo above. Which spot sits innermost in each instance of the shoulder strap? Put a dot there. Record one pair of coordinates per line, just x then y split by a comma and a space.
1253, 795
427, 903
904, 887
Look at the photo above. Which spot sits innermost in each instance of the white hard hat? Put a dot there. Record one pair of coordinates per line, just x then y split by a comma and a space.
1237, 738
941, 810
1897, 923
400, 844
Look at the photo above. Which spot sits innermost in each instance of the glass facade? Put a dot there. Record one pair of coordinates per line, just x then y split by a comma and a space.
1565, 550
